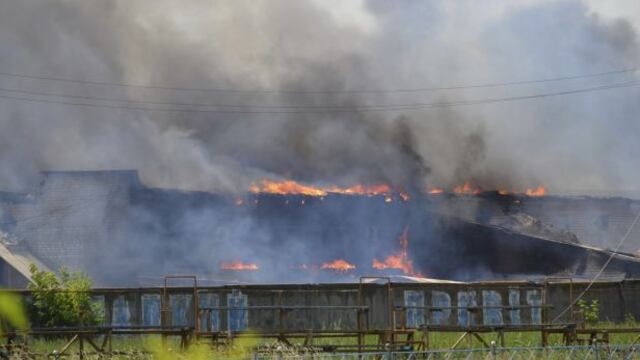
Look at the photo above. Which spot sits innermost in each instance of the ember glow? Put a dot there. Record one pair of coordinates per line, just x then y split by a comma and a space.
380, 189
290, 187
238, 266
338, 265
539, 191
467, 189
399, 260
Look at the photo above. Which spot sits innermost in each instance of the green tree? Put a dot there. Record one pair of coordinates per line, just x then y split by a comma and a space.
63, 300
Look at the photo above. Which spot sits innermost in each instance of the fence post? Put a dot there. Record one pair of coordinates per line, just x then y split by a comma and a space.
493, 349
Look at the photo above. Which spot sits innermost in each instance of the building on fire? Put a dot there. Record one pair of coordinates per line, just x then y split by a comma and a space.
123, 233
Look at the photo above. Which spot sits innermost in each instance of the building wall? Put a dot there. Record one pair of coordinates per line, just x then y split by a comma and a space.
71, 212
514, 303
10, 278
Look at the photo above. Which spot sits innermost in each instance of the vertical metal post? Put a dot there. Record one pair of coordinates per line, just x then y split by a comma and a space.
494, 353
571, 299
109, 342
545, 315
164, 307
359, 318
196, 306
390, 306
280, 312
469, 314
81, 346
623, 302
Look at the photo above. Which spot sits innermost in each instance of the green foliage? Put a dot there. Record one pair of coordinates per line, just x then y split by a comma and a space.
629, 319
590, 311
12, 312
64, 300
241, 348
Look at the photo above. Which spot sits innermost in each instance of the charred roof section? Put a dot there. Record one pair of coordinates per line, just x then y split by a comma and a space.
123, 233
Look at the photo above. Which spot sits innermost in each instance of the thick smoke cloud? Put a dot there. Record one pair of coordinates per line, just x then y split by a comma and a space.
308, 47
312, 54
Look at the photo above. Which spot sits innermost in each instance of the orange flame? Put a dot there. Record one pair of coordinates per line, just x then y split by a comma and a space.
539, 191
290, 187
238, 266
286, 187
338, 265
399, 260
467, 188
254, 188
361, 190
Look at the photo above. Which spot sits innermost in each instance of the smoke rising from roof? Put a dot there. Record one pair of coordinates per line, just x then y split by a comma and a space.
312, 51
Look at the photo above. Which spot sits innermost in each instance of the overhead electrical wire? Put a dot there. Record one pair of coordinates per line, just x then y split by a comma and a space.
231, 106
599, 273
249, 109
333, 91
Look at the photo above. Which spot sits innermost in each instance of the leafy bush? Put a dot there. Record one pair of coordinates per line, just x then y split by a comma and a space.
590, 311
629, 319
12, 315
64, 300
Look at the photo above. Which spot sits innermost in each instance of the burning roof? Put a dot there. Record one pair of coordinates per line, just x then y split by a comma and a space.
293, 232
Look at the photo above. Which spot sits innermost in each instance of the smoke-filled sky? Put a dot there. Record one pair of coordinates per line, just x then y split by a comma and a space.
311, 55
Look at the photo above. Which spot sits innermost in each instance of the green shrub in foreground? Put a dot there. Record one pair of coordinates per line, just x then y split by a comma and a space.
64, 300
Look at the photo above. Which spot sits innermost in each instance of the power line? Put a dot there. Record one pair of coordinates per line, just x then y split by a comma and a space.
613, 253
191, 104
335, 91
153, 102
247, 109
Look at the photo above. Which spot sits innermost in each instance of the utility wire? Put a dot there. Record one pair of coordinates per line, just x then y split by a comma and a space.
191, 104
613, 253
335, 91
247, 109
153, 102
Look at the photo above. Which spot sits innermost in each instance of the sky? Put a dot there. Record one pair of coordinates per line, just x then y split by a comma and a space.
290, 64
